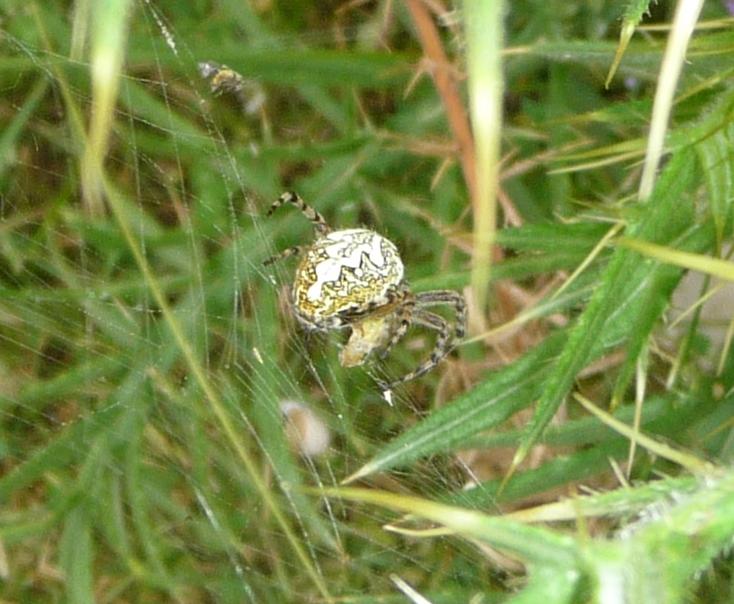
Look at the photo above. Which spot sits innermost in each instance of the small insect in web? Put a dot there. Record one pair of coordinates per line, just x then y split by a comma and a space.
223, 79
354, 278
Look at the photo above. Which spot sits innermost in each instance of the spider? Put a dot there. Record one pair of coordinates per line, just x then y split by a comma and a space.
354, 278
225, 79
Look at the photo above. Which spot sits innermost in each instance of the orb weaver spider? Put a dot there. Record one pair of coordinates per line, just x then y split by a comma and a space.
355, 278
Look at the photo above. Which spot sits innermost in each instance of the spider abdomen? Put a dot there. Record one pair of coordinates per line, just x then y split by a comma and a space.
345, 273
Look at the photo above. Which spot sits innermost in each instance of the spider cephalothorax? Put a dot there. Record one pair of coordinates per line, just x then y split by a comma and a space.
354, 278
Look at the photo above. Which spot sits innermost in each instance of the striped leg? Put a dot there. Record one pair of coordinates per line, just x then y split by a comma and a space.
316, 219
296, 250
443, 346
450, 297
393, 296
404, 319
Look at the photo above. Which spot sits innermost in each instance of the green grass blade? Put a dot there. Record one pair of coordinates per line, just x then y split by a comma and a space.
497, 398
530, 544
715, 157
684, 22
108, 38
614, 287
484, 39
575, 237
11, 131
77, 556
618, 502
722, 269
631, 18
651, 304
559, 471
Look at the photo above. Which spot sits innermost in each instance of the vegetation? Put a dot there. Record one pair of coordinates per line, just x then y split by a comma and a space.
146, 354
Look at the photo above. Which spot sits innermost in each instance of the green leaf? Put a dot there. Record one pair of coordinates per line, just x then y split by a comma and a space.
584, 430
533, 545
570, 238
651, 304
632, 15
618, 503
691, 527
285, 67
58, 452
556, 472
715, 156
12, 131
76, 557
490, 403
658, 221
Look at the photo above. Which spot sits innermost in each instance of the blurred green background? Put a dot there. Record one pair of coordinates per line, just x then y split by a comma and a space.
146, 353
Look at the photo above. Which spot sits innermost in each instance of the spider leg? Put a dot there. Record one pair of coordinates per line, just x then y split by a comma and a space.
404, 319
314, 217
444, 345
286, 253
450, 297
393, 296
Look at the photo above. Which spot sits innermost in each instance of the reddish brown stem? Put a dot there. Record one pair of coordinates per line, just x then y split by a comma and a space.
441, 71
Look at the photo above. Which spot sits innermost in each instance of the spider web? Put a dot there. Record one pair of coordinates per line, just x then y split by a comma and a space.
107, 438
